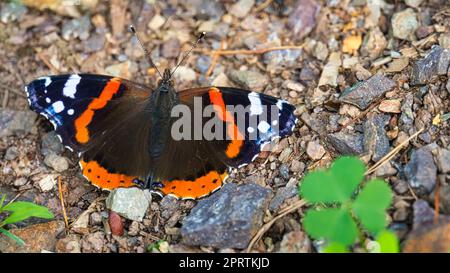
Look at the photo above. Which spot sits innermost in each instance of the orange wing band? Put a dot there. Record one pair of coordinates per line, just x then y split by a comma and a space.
102, 178
195, 189
237, 138
82, 122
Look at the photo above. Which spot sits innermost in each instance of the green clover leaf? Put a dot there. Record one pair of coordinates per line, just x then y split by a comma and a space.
335, 185
337, 225
371, 203
388, 242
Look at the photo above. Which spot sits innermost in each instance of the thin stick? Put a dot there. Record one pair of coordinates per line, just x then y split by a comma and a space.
293, 207
256, 51
44, 59
147, 54
12, 90
61, 198
214, 59
436, 204
263, 5
5, 99
392, 153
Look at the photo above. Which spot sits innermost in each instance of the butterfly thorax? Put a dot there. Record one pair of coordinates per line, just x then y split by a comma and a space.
162, 100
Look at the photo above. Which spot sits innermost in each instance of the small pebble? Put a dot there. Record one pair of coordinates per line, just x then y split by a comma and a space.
314, 150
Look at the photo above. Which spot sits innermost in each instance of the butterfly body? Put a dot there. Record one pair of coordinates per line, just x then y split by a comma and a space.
123, 131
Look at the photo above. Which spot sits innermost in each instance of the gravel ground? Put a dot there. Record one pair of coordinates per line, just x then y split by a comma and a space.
363, 75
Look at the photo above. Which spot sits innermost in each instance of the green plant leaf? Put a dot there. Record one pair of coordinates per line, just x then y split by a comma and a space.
388, 242
335, 247
336, 185
348, 171
12, 236
2, 201
22, 210
371, 203
332, 224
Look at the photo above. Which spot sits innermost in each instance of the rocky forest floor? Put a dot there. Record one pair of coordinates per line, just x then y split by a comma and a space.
364, 76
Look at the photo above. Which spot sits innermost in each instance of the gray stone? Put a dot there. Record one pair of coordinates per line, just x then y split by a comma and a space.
284, 171
364, 93
12, 11
77, 28
404, 24
12, 153
347, 143
284, 57
282, 195
171, 48
443, 160
314, 150
131, 203
93, 243
407, 116
302, 20
47, 183
95, 43
421, 171
376, 141
374, 44
206, 9
16, 123
295, 242
297, 166
203, 63
169, 205
436, 62
20, 182
56, 162
413, 3
251, 80
51, 144
95, 219
424, 215
241, 8
228, 218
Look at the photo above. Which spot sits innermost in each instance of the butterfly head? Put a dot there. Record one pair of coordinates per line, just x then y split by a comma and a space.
166, 83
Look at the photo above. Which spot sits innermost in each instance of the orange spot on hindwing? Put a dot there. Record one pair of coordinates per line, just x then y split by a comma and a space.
102, 178
237, 138
200, 187
82, 122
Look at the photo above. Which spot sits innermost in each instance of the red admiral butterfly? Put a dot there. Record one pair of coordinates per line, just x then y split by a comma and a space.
122, 130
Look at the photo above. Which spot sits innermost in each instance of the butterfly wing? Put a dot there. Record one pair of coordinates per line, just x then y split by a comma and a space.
268, 117
100, 117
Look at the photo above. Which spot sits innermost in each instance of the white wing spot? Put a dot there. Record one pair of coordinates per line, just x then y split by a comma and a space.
263, 126
70, 112
250, 130
274, 122
48, 100
58, 106
255, 104
70, 88
280, 104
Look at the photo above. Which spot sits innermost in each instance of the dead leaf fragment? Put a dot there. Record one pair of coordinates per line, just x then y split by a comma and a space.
351, 44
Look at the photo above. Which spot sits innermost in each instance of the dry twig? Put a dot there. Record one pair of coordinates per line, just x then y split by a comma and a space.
291, 208
61, 198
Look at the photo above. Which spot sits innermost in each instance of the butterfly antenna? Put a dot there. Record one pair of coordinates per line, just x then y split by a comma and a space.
189, 52
147, 54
